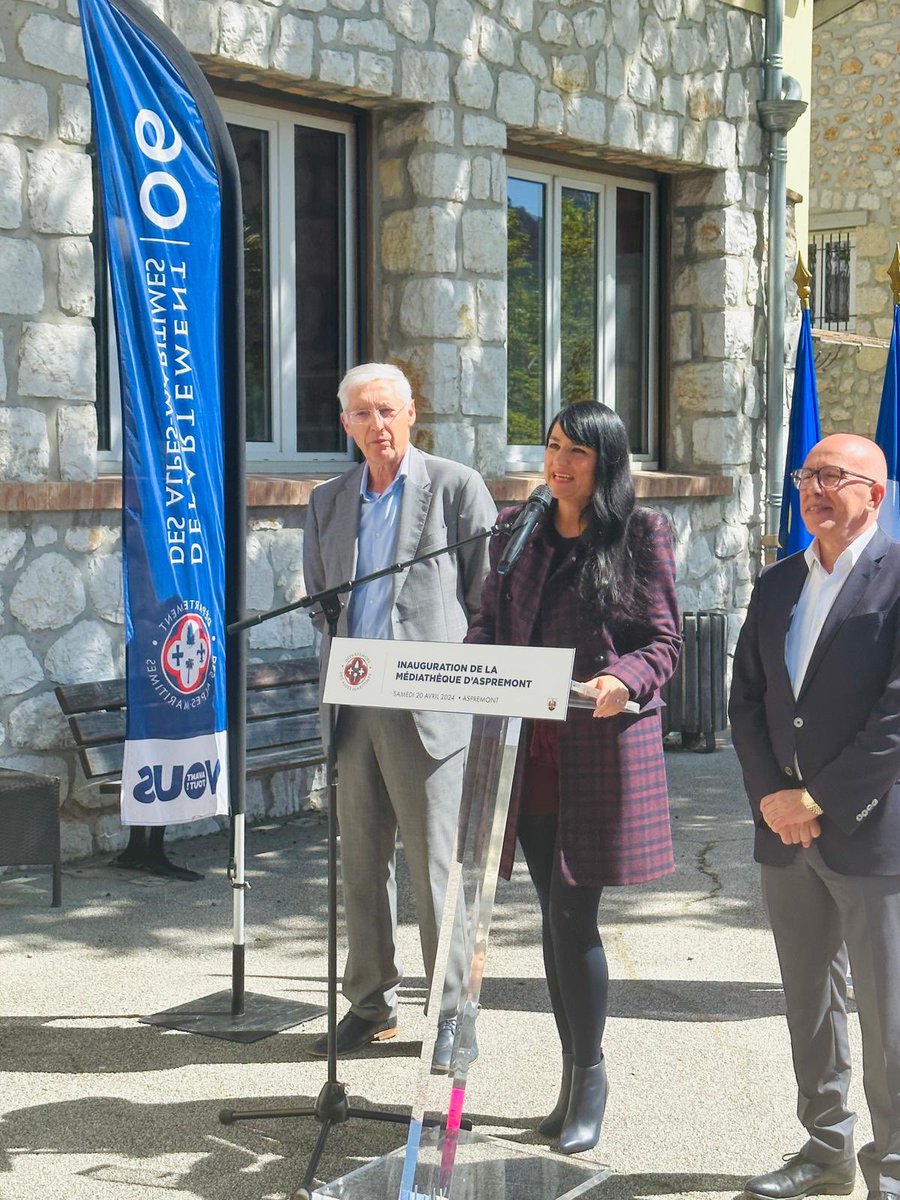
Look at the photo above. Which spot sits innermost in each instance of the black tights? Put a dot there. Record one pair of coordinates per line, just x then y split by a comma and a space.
574, 958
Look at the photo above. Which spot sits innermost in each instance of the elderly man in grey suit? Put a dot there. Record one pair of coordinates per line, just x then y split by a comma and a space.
815, 716
396, 770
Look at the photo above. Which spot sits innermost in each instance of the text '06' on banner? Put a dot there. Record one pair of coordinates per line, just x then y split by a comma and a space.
507, 681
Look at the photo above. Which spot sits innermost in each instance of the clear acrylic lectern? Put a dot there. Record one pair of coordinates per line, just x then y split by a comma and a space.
448, 1162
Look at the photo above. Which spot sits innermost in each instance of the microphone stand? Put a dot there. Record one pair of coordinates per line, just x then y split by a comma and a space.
331, 1106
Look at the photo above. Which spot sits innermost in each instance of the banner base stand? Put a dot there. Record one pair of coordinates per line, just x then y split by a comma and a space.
211, 1016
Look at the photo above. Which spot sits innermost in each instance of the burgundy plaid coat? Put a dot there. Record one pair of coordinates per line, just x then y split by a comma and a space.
614, 806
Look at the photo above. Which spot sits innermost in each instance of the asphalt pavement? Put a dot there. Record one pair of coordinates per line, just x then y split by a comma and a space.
96, 1106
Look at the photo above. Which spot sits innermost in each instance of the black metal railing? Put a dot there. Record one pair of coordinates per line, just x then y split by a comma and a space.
831, 300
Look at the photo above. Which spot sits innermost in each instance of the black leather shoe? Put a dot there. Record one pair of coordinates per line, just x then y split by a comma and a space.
800, 1177
587, 1104
443, 1047
353, 1033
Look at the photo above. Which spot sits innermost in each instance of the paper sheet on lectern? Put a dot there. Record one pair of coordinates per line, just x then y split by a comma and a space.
509, 681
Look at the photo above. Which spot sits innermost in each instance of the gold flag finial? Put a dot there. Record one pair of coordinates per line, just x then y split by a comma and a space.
894, 274
802, 278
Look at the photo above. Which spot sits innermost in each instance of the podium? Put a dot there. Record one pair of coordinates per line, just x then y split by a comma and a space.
447, 1162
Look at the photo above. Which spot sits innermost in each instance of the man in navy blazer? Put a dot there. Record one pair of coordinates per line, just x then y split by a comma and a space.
815, 716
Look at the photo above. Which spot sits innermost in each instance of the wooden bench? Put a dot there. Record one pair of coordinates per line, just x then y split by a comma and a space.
282, 721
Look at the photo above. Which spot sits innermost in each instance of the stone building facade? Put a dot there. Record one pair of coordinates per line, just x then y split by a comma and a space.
853, 199
460, 120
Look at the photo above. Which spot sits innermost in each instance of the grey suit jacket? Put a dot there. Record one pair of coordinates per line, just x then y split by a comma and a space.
443, 502
843, 730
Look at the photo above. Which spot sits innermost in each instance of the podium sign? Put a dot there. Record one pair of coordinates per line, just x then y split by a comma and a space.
507, 681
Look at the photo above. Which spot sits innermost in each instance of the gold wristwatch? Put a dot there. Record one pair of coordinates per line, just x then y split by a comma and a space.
809, 804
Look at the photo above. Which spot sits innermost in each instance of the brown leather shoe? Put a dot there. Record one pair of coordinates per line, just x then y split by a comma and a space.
353, 1033
801, 1177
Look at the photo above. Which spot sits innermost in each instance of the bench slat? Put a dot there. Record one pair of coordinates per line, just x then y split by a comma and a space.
288, 734
95, 728
89, 697
263, 760
110, 693
289, 698
282, 731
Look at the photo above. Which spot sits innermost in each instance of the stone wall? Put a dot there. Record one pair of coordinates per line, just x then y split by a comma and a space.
61, 579
662, 85
856, 99
849, 377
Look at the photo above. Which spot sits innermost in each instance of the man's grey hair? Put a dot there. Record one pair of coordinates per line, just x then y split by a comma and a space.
365, 373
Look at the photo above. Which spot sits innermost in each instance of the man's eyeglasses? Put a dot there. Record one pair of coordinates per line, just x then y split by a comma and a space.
365, 416
828, 477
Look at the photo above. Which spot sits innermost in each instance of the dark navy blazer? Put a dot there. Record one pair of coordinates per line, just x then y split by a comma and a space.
843, 730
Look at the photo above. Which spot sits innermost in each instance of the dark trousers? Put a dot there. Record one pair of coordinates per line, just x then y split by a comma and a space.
574, 958
821, 920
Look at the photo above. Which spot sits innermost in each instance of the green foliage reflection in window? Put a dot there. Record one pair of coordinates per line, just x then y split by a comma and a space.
527, 285
578, 296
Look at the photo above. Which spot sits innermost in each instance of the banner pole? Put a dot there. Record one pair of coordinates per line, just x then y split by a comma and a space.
234, 415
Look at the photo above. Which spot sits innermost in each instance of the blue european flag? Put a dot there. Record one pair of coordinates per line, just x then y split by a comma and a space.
886, 434
803, 433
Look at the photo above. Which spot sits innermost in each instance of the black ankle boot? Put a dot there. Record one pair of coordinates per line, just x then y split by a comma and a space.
552, 1124
584, 1116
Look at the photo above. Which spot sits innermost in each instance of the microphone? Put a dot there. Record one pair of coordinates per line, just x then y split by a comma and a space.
537, 504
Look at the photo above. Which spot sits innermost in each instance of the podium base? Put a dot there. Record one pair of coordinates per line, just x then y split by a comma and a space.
470, 1166
211, 1016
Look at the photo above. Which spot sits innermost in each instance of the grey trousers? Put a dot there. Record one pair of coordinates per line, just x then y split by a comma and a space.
821, 919
386, 782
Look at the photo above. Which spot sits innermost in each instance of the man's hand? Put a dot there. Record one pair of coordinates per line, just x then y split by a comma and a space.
801, 835
784, 810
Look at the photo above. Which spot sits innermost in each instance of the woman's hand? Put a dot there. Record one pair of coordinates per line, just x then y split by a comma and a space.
613, 695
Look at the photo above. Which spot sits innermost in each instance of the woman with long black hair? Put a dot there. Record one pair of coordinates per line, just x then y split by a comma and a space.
589, 804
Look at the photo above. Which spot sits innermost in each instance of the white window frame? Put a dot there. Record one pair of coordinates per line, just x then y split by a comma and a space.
526, 458
278, 454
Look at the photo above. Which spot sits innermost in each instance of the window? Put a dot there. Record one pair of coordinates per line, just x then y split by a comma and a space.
299, 226
832, 262
581, 295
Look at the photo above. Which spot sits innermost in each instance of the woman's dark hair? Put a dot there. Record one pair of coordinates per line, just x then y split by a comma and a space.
611, 578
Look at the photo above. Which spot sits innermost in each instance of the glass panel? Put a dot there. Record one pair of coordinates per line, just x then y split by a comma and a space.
320, 189
527, 299
633, 315
252, 149
578, 295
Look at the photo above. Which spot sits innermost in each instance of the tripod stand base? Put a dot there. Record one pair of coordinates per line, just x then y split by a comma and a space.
211, 1016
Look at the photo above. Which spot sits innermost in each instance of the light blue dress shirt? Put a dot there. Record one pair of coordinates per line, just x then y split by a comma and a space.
376, 547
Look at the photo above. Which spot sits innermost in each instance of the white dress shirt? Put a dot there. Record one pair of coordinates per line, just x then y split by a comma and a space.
820, 591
